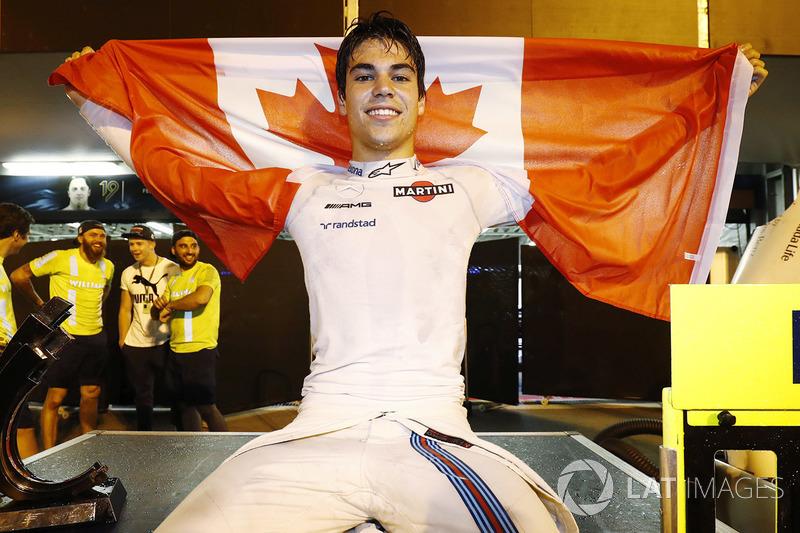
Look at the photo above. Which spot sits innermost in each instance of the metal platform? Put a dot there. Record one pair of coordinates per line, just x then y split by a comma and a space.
160, 468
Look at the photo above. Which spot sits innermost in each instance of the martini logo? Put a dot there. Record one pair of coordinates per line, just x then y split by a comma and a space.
423, 191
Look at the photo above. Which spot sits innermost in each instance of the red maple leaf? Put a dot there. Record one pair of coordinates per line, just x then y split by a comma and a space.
445, 130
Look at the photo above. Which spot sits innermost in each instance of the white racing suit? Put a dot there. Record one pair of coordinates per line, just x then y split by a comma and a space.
381, 435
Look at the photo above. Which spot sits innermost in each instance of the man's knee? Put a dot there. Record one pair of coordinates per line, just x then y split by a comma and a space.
54, 398
90, 392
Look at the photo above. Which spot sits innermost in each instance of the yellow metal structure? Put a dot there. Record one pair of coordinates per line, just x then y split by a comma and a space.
735, 386
732, 347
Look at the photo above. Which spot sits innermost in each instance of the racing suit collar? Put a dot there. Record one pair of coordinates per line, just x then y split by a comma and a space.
395, 168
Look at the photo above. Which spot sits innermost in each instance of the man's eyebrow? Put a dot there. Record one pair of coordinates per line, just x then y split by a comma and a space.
369, 67
362, 66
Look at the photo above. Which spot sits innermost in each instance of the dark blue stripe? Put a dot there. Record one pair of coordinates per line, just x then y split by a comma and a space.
479, 514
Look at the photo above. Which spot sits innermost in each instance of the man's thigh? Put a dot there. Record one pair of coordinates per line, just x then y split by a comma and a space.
455, 490
335, 482
309, 485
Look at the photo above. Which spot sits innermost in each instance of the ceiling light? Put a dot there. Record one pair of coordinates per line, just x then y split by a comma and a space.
158, 226
66, 168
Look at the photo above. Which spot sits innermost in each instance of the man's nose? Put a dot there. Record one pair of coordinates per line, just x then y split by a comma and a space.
384, 86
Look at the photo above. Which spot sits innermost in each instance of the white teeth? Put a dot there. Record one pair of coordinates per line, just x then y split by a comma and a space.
386, 112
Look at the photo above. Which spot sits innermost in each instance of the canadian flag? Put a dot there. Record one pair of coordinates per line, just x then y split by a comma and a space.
630, 149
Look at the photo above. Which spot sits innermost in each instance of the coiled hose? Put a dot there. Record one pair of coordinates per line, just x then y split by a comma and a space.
610, 439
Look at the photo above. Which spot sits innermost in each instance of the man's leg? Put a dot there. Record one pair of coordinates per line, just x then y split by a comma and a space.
26, 436
212, 417
198, 372
26, 443
49, 416
141, 372
58, 378
446, 488
88, 410
190, 417
174, 385
310, 485
91, 373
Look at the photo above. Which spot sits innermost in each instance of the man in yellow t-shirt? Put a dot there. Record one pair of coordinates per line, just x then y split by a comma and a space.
82, 276
191, 302
15, 226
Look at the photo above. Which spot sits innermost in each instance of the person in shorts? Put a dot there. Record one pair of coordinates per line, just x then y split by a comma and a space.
191, 305
82, 276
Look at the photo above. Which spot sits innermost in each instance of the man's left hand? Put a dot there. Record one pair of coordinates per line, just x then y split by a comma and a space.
759, 72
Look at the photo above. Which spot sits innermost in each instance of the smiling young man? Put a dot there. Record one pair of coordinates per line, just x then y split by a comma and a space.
142, 338
82, 276
382, 102
381, 439
191, 306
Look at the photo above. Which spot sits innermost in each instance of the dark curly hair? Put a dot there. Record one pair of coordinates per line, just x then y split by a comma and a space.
14, 218
380, 26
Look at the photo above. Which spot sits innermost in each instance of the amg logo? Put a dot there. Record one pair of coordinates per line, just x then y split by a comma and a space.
348, 206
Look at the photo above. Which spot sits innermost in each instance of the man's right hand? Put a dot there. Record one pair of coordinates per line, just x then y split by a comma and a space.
160, 302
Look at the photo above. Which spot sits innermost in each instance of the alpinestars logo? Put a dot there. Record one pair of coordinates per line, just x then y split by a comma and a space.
385, 170
348, 206
423, 191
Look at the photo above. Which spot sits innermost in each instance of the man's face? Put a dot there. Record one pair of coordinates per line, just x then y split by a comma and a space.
78, 192
93, 243
186, 251
141, 249
381, 102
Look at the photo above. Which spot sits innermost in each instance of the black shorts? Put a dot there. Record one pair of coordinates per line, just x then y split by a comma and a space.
85, 357
192, 377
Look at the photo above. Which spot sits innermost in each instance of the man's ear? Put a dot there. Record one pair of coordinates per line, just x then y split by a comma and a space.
421, 106
342, 105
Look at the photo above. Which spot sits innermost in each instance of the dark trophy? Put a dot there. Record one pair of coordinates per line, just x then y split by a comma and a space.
90, 497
